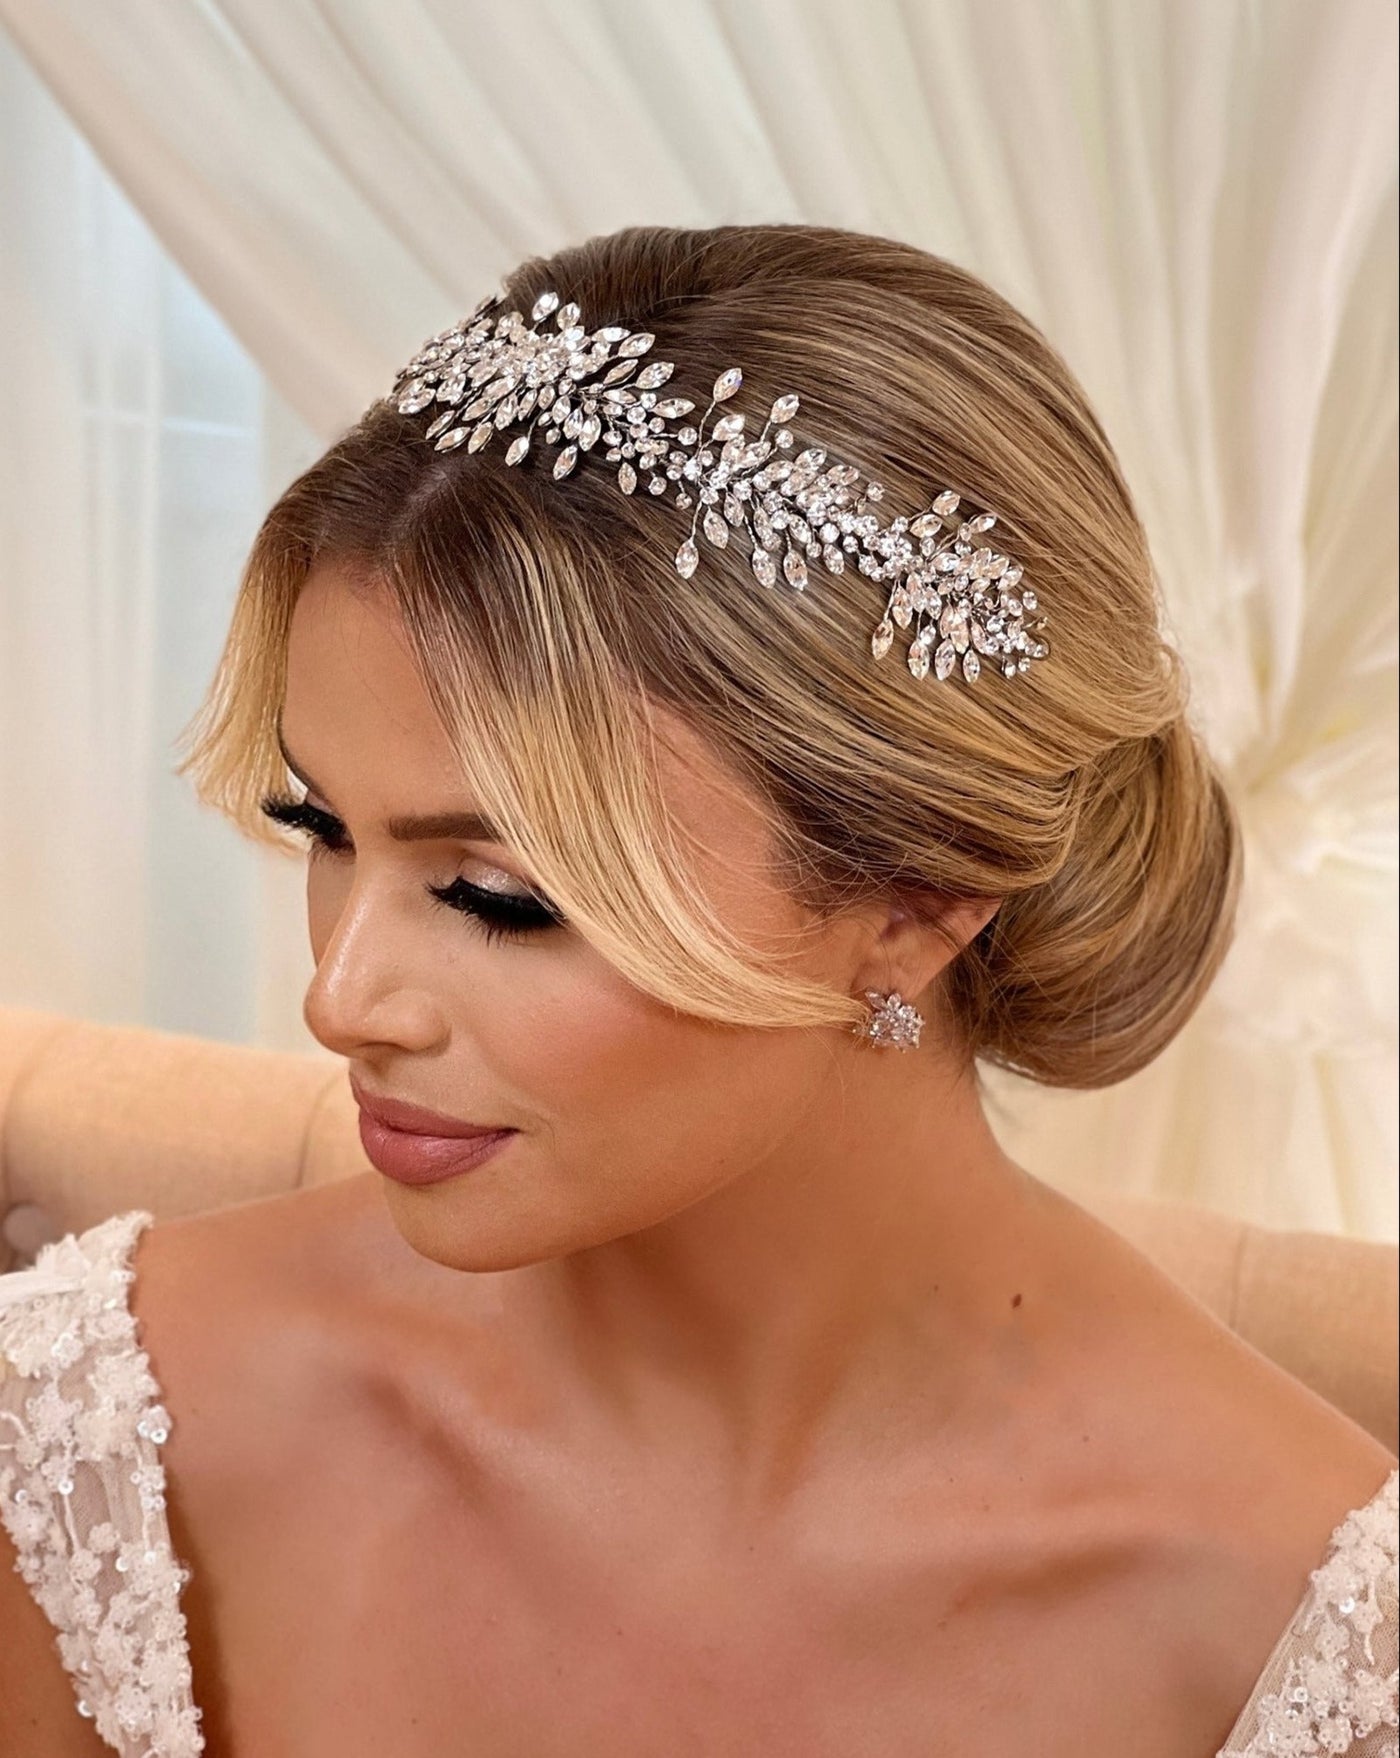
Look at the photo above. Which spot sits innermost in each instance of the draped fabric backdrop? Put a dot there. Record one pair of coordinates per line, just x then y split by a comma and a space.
1195, 199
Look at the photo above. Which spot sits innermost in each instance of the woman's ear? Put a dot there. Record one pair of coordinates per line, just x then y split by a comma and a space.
908, 950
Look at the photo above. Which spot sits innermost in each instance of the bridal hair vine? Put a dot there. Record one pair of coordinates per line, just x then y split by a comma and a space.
493, 372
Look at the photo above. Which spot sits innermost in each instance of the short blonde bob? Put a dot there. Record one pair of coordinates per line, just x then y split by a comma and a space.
547, 620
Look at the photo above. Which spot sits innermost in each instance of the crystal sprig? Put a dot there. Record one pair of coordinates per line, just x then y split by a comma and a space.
584, 392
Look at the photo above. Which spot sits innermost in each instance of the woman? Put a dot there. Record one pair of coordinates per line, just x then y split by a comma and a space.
695, 1373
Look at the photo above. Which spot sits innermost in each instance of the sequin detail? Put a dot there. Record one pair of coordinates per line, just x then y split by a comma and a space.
1331, 1685
82, 1488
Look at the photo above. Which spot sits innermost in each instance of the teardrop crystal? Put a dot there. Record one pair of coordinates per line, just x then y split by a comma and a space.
764, 567
918, 659
450, 441
784, 409
687, 559
567, 316
727, 384
480, 434
946, 504
651, 377
715, 528
728, 427
945, 660
517, 449
881, 640
795, 567
565, 462
972, 666
542, 307
926, 525
635, 345
626, 478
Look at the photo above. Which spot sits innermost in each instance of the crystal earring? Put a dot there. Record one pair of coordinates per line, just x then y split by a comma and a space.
894, 1023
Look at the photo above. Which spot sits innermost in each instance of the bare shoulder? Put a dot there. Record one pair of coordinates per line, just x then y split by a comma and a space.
1247, 1439
1244, 1471
234, 1305
289, 1246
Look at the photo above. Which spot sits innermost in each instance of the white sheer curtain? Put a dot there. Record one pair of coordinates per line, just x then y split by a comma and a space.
137, 451
1194, 198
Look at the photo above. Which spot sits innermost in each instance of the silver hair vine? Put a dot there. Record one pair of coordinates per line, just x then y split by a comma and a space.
493, 372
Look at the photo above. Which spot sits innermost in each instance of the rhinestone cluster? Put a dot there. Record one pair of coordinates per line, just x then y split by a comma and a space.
893, 1023
579, 391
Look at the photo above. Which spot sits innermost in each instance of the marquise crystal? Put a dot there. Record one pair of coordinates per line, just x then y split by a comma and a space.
591, 393
894, 1023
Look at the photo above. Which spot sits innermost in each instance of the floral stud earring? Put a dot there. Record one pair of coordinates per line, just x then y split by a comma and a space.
894, 1023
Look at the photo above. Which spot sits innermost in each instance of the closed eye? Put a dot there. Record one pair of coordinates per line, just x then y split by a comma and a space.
500, 914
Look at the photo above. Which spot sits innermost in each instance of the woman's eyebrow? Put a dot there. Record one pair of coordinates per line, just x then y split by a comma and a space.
434, 827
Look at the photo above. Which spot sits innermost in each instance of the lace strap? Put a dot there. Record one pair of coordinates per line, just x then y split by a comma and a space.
82, 1488
1332, 1684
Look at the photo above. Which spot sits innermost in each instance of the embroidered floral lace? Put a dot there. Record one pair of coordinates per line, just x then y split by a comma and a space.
1330, 1685
82, 1488
82, 1495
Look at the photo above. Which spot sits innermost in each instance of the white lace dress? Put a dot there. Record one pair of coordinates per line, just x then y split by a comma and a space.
82, 1497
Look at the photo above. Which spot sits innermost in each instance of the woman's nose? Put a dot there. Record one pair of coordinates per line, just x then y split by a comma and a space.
366, 988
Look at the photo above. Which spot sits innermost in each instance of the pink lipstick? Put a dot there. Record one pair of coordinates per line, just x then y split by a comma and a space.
414, 1146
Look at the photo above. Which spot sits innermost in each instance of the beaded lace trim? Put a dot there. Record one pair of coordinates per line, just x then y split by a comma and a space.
82, 1488
1331, 1685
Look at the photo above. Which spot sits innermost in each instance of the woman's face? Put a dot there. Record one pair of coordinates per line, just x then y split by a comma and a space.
627, 1112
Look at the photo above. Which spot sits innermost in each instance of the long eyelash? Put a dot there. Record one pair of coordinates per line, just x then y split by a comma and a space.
498, 915
320, 826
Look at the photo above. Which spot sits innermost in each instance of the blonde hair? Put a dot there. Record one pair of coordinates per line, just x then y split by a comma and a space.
547, 620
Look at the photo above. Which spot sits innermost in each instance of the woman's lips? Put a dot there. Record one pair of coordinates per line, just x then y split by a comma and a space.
399, 1114
416, 1146
411, 1158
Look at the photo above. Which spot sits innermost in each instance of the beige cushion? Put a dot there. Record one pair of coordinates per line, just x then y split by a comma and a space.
95, 1119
